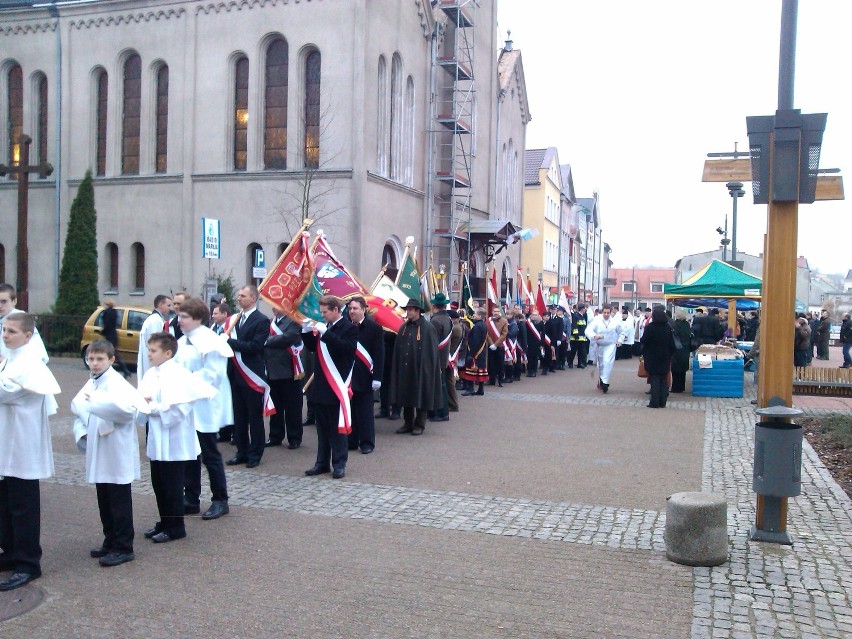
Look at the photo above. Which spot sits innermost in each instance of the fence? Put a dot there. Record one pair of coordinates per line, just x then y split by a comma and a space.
813, 380
61, 333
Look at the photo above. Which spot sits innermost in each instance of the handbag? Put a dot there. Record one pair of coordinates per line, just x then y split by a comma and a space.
677, 342
641, 372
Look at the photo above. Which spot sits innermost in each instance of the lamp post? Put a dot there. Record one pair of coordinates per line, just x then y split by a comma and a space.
736, 191
724, 241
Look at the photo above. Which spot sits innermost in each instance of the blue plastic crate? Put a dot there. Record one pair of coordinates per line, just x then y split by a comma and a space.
725, 379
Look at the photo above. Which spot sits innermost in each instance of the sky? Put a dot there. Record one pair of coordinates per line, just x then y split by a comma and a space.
633, 95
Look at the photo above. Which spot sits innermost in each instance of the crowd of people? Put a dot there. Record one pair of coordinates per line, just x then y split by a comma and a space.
207, 376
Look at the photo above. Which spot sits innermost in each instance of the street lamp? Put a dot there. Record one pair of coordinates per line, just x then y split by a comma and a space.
724, 241
736, 191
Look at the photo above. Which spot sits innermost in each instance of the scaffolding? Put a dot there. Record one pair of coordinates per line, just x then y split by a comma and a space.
453, 138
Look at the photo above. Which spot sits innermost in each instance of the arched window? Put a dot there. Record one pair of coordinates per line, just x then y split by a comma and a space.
250, 261
395, 123
102, 86
138, 267
382, 119
275, 106
312, 109
112, 267
241, 113
282, 247
162, 133
41, 118
389, 259
408, 142
130, 115
15, 110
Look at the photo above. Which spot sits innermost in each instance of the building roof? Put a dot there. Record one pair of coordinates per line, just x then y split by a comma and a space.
567, 182
533, 162
510, 73
590, 205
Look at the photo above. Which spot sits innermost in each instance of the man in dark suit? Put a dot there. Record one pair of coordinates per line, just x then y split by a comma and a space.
366, 376
334, 342
247, 337
174, 325
284, 370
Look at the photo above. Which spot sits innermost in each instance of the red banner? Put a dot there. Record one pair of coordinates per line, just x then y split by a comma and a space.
290, 277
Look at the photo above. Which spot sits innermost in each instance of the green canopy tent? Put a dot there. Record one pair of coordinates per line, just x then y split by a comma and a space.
717, 285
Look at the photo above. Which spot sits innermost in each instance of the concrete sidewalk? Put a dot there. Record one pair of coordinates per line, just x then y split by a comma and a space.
538, 511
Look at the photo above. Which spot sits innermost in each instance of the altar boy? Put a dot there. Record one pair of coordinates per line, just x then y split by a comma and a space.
105, 428
170, 391
26, 398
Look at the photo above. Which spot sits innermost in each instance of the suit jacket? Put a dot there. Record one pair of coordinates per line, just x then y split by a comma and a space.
370, 336
279, 359
249, 343
175, 326
341, 340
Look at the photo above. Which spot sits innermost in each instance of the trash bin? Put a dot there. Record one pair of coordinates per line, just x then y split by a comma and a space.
777, 459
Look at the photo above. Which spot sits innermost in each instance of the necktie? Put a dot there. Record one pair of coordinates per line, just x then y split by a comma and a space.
242, 320
166, 326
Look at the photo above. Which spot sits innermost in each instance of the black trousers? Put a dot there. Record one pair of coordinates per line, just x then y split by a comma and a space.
249, 431
363, 433
659, 391
580, 350
414, 416
562, 354
115, 505
495, 364
452, 395
678, 382
287, 396
212, 460
332, 445
167, 479
532, 361
20, 523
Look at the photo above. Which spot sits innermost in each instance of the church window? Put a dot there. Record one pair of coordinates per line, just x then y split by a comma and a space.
15, 124
162, 125
275, 106
101, 123
131, 112
312, 109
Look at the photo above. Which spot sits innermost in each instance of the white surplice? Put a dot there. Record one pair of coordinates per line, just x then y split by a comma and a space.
107, 408
154, 323
611, 332
35, 345
205, 354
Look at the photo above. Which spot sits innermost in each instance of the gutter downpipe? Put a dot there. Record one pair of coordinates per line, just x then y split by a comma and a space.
429, 204
53, 11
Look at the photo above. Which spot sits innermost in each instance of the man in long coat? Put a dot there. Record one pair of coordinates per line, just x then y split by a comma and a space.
415, 382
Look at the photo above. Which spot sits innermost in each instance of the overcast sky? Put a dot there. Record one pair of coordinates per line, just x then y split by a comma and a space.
634, 95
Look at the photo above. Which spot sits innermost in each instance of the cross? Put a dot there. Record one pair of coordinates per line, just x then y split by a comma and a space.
22, 169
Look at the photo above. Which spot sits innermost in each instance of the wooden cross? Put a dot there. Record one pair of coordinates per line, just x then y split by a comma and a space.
23, 170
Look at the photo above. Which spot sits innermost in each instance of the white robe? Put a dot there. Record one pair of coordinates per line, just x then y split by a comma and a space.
152, 324
27, 388
205, 355
611, 335
35, 345
108, 420
171, 390
628, 329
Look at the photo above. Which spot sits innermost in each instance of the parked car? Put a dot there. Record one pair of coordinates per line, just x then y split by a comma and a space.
130, 320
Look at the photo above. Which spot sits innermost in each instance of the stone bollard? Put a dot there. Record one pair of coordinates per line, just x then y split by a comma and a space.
697, 529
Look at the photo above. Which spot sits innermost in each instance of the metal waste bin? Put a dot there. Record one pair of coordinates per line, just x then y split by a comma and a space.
777, 459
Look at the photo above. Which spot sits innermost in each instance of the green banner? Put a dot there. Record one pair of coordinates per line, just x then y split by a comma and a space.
408, 279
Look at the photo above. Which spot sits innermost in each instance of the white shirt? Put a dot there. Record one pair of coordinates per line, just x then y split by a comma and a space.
154, 323
205, 355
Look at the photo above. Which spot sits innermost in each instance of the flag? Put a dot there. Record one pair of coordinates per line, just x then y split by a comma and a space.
563, 301
530, 289
408, 278
426, 290
333, 276
291, 279
539, 301
524, 289
492, 298
466, 297
386, 303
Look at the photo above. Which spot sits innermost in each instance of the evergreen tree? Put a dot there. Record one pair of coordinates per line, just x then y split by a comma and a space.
78, 277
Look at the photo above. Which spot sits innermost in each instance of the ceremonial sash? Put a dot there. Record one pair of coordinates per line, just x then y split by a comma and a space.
254, 381
295, 351
493, 330
453, 361
534, 330
509, 349
341, 389
364, 355
444, 343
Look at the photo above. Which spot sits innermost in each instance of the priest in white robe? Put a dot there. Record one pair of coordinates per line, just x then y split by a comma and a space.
607, 334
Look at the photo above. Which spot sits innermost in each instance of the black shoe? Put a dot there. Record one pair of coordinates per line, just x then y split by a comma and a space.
604, 388
499, 384
116, 558
216, 510
317, 470
393, 417
235, 461
480, 391
294, 445
253, 464
99, 552
310, 421
191, 509
152, 532
417, 430
507, 381
17, 580
338, 473
366, 450
404, 429
440, 419
467, 393
530, 374
164, 537
270, 443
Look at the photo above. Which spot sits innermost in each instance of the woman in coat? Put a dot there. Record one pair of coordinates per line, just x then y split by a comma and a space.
658, 346
680, 360
476, 364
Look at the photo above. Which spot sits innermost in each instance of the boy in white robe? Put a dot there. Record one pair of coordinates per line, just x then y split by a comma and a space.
106, 409
606, 333
170, 391
205, 354
26, 398
8, 299
156, 322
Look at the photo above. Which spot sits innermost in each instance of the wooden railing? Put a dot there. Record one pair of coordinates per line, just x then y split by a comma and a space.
812, 380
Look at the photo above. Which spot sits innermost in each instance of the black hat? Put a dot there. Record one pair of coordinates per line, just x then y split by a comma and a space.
453, 314
415, 303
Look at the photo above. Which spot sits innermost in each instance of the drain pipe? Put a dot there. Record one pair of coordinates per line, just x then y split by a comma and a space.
57, 167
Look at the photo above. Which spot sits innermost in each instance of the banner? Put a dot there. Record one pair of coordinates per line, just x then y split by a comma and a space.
211, 243
386, 304
492, 299
408, 278
539, 301
291, 280
334, 278
466, 297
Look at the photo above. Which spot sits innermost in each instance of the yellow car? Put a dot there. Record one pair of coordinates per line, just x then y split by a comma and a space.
128, 325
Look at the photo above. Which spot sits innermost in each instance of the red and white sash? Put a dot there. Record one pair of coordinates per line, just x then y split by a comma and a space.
254, 381
534, 330
444, 343
295, 351
341, 389
509, 351
453, 361
493, 331
364, 355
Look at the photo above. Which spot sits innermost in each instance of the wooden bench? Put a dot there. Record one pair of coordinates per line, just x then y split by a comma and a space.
810, 380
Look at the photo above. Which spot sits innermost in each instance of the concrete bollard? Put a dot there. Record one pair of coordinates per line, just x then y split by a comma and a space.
697, 529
